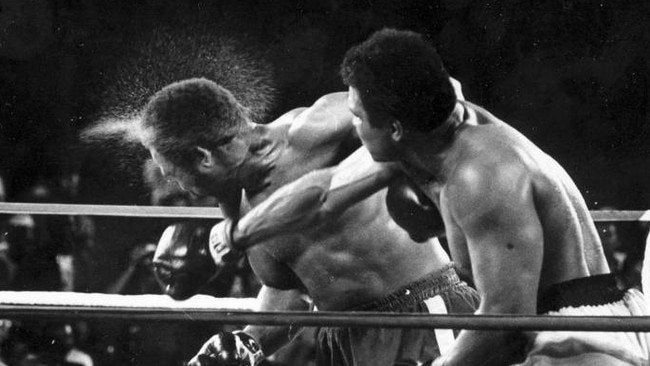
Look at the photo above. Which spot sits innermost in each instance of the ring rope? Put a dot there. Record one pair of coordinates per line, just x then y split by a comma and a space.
110, 210
99, 300
624, 215
68, 305
215, 212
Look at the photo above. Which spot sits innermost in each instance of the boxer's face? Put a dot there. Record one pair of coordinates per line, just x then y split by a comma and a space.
212, 173
185, 179
376, 136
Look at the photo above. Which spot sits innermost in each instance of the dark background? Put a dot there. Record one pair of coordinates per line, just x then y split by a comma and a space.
572, 75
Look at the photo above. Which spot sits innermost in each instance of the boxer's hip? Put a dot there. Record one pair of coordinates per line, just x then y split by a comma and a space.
440, 292
590, 296
444, 283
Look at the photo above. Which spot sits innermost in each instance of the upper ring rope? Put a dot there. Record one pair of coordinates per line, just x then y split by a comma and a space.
110, 210
213, 212
612, 215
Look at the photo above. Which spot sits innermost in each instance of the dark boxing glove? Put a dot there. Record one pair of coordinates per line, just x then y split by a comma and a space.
413, 210
229, 349
182, 261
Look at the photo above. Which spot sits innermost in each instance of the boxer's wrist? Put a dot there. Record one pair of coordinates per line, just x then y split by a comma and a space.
440, 361
237, 238
221, 245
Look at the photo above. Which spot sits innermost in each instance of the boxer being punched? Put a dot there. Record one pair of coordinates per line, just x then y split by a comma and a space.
200, 136
515, 221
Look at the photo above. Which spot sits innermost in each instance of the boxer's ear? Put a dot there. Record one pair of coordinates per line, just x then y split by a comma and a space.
206, 158
396, 130
234, 152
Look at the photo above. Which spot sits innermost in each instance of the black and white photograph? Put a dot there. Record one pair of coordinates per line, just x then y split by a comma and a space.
324, 183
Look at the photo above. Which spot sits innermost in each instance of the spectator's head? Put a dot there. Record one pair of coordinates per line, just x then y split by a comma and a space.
609, 234
20, 236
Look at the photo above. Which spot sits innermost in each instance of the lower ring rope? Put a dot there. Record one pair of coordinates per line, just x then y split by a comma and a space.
40, 305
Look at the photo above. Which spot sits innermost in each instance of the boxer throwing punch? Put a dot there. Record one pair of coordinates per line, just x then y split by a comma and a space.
201, 137
515, 221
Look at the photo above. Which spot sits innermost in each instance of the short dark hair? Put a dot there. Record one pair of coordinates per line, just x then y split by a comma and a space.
189, 113
398, 72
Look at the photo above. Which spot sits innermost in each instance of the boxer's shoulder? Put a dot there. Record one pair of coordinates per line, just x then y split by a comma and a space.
327, 120
285, 120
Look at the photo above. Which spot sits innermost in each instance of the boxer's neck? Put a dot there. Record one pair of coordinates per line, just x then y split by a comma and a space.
426, 155
254, 171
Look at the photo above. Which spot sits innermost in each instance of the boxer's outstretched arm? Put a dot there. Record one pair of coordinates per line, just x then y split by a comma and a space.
314, 198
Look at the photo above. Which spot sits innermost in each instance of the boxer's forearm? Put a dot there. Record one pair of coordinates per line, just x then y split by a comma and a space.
313, 199
272, 338
355, 179
289, 208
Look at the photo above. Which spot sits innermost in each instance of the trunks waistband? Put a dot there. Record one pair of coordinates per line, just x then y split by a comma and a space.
593, 290
428, 286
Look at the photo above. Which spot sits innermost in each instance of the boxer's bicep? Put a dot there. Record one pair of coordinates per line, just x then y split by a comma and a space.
504, 240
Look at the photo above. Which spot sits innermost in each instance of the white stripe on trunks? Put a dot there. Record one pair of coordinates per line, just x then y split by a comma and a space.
444, 337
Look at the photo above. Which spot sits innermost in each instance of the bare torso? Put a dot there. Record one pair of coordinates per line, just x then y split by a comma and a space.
569, 248
359, 257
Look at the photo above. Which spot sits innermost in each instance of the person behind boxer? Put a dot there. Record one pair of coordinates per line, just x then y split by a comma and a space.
200, 136
515, 221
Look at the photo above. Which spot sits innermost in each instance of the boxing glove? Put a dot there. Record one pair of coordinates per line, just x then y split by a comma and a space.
229, 349
413, 210
182, 260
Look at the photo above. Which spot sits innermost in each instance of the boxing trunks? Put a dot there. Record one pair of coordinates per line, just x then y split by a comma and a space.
589, 296
440, 292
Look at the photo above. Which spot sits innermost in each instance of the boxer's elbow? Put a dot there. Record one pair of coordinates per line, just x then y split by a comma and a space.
327, 213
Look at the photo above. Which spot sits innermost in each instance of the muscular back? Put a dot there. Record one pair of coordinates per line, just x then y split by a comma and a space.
507, 181
355, 258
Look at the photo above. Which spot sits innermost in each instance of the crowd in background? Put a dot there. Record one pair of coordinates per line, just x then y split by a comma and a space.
55, 253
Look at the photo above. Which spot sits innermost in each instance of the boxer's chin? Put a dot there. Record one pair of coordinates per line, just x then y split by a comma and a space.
180, 295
